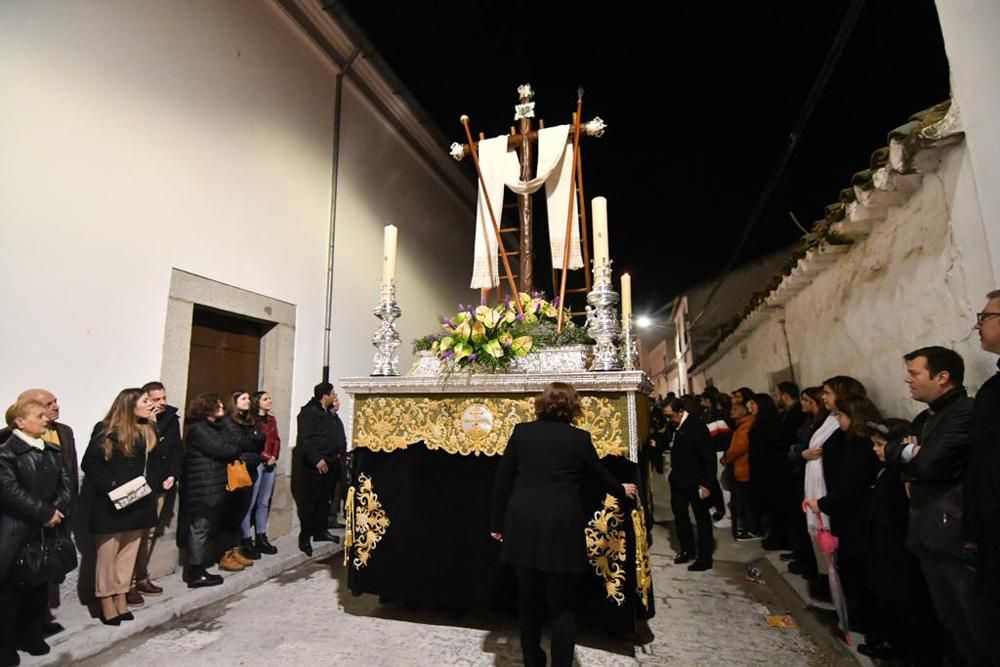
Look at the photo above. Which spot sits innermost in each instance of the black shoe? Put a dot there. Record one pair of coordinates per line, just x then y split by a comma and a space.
334, 523
199, 578
36, 647
305, 547
700, 566
127, 616
683, 557
790, 556
325, 536
9, 658
264, 546
718, 516
117, 620
50, 628
246, 548
796, 567
746, 536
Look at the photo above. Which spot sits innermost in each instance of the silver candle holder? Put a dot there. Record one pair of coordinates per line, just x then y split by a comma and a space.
386, 338
630, 348
602, 320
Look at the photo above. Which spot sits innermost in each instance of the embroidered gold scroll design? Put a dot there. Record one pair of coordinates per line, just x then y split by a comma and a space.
606, 548
643, 572
368, 522
390, 423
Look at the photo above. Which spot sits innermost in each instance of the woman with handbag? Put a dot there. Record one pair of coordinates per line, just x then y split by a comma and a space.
241, 428
124, 508
34, 494
267, 470
207, 452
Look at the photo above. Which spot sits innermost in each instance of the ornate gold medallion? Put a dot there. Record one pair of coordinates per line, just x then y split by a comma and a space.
477, 422
368, 522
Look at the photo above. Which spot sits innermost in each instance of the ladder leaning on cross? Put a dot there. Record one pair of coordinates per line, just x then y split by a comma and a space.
522, 139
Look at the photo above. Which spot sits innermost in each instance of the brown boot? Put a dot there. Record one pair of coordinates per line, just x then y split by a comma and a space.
240, 558
230, 564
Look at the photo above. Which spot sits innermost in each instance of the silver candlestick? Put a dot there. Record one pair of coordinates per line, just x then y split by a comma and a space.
602, 320
386, 338
630, 348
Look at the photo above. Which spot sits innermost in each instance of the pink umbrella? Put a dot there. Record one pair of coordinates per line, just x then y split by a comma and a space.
828, 543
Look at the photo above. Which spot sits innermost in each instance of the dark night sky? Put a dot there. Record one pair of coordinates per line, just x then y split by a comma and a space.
698, 102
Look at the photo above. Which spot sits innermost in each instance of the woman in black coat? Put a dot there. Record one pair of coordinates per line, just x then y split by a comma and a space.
538, 516
34, 493
207, 451
766, 459
242, 430
119, 451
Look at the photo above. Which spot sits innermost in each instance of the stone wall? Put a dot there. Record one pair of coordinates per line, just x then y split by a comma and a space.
916, 280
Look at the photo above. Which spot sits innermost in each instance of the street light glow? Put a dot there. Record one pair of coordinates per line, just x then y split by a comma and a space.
644, 321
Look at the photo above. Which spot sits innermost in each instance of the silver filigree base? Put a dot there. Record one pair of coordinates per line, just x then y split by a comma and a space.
630, 349
602, 320
386, 339
566, 359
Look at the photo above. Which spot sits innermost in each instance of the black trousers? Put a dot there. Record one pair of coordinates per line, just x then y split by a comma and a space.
970, 620
680, 501
313, 493
743, 516
536, 592
22, 612
202, 530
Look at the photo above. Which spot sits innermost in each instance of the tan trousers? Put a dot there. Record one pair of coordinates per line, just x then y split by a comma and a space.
147, 543
116, 554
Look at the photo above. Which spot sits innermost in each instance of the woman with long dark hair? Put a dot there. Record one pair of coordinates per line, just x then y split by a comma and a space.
34, 494
241, 427
539, 518
118, 453
764, 453
803, 560
207, 451
267, 470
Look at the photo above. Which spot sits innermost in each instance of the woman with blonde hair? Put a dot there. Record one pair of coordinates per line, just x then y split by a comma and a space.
117, 455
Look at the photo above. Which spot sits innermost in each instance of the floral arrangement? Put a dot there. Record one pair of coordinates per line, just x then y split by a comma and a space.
489, 338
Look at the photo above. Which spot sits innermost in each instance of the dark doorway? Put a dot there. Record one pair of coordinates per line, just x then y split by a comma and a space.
225, 352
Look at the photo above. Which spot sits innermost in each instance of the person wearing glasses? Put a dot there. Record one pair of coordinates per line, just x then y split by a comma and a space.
981, 511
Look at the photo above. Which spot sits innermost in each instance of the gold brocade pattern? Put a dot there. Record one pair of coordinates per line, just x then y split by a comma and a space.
388, 423
368, 522
606, 547
643, 572
349, 525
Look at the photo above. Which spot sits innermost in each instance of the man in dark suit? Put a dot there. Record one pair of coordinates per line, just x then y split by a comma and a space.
692, 476
319, 444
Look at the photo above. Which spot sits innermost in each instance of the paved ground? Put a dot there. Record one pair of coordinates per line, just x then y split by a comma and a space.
306, 616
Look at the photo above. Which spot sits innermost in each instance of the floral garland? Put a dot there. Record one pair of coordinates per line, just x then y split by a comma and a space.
491, 337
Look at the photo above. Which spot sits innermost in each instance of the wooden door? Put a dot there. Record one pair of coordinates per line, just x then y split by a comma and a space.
225, 354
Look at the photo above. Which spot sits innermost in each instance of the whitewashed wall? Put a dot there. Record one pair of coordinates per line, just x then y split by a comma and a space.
138, 137
917, 280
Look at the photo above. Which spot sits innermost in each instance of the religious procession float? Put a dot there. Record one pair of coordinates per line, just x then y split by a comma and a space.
426, 445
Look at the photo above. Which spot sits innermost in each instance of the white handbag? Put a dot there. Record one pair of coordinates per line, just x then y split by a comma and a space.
131, 491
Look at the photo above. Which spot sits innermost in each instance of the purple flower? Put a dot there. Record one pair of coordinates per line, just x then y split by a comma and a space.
506, 346
555, 302
520, 317
448, 355
447, 322
473, 356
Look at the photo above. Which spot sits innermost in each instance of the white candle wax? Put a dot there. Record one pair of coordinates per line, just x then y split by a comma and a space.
389, 254
626, 301
599, 206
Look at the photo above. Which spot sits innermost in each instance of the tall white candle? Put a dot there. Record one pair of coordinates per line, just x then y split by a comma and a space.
389, 254
626, 301
599, 205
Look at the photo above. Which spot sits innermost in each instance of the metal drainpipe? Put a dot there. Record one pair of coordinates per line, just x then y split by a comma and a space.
788, 346
337, 97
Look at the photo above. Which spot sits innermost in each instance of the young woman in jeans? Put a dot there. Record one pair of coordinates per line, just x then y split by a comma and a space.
260, 504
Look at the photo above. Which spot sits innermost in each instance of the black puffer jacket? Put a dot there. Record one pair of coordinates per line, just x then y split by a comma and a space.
207, 451
108, 474
249, 439
33, 484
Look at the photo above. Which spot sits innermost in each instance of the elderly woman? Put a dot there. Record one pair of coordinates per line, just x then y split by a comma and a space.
538, 516
34, 493
118, 453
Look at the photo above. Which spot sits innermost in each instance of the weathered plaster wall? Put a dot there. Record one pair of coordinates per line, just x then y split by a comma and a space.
917, 280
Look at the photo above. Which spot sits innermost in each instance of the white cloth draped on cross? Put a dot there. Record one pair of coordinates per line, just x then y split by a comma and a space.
501, 168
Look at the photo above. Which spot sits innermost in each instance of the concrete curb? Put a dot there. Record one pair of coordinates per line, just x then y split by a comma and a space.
85, 636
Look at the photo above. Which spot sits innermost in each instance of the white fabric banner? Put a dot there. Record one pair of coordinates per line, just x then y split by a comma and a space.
492, 156
501, 167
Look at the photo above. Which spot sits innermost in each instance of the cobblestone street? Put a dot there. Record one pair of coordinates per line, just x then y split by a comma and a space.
307, 617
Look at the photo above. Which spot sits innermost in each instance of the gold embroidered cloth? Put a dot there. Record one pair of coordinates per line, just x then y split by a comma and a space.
477, 424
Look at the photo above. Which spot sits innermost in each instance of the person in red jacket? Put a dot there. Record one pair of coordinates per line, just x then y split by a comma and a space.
738, 456
260, 506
